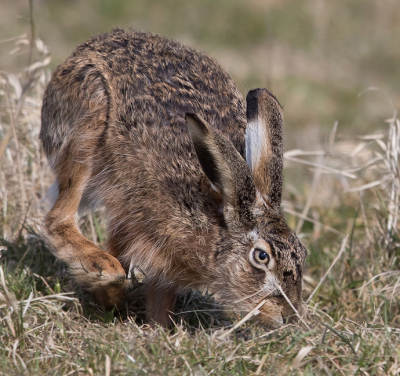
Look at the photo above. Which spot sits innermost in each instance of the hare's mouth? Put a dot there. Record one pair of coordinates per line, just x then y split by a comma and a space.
271, 312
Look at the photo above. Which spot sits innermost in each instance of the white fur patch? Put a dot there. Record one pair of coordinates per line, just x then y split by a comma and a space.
50, 198
271, 281
255, 139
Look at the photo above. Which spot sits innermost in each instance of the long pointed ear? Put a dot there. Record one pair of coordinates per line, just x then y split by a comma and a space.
264, 143
224, 167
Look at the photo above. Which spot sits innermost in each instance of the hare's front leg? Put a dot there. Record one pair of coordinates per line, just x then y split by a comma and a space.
93, 268
160, 303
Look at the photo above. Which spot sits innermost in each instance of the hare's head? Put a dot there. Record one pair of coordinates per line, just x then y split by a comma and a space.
256, 256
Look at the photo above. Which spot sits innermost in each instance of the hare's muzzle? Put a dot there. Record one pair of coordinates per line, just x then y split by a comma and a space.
277, 311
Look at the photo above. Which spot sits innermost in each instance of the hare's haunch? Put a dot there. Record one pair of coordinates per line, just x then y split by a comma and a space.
157, 134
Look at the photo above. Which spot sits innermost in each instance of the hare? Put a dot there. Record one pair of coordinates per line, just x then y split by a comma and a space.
190, 179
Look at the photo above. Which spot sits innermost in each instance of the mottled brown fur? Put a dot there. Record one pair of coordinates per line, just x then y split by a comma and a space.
180, 199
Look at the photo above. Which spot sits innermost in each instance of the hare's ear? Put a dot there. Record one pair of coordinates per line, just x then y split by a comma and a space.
264, 143
224, 167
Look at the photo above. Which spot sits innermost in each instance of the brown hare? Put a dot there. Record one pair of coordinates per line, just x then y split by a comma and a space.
156, 133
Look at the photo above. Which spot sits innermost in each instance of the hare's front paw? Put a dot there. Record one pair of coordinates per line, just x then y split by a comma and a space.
94, 268
102, 275
101, 265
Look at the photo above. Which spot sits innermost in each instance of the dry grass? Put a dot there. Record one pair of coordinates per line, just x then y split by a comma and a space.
346, 210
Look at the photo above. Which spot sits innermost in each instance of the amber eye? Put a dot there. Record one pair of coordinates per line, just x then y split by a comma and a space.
261, 256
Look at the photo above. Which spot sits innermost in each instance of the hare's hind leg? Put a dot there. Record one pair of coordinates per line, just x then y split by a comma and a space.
160, 303
77, 109
93, 268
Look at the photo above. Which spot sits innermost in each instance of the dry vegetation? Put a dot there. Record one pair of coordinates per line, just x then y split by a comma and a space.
343, 200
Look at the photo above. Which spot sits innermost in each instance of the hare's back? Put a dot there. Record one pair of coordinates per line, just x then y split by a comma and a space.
154, 81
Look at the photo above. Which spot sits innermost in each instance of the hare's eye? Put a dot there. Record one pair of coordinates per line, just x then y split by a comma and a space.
261, 256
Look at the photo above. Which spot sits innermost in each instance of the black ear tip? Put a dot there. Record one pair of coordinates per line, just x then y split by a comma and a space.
253, 95
252, 105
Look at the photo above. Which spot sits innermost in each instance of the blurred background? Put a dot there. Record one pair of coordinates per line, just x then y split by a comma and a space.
317, 56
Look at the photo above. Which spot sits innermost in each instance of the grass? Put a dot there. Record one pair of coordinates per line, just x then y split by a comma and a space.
348, 190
